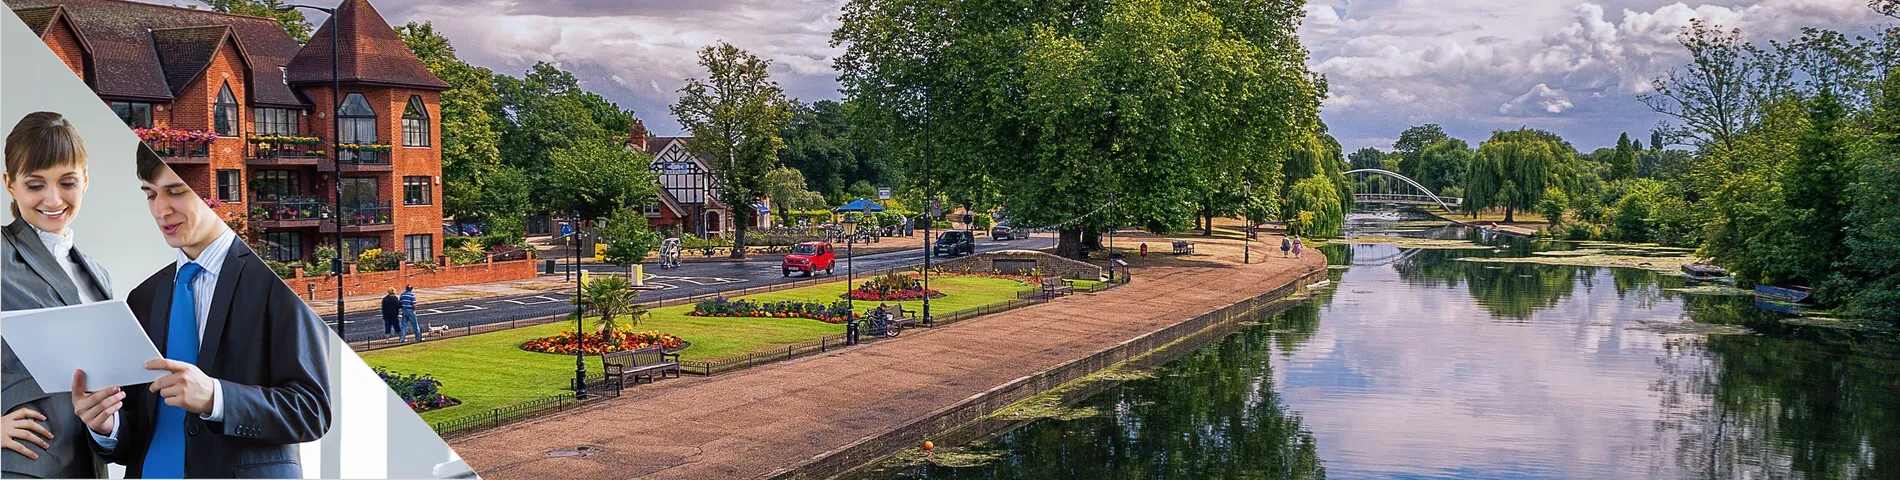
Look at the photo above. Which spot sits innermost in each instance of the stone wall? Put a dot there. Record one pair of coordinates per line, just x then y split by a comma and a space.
1049, 264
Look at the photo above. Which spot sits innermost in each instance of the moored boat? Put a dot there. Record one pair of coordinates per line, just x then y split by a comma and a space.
1703, 270
1783, 293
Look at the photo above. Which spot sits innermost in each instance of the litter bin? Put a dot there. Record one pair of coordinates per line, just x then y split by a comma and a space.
547, 266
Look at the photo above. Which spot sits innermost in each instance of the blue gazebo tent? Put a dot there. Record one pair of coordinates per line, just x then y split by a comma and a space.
859, 205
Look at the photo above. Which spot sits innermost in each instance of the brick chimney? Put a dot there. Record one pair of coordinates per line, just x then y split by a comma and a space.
637, 135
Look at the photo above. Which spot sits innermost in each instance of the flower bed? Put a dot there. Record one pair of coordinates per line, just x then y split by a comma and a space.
567, 343
893, 286
836, 312
422, 392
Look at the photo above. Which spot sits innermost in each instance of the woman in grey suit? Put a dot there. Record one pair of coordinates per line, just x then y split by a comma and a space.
46, 175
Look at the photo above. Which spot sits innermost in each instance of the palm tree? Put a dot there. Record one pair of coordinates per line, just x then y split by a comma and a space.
611, 297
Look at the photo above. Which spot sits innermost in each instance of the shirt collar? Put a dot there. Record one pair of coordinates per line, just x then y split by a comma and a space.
212, 259
61, 246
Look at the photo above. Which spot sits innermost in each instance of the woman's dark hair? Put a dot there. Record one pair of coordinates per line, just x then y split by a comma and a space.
40, 141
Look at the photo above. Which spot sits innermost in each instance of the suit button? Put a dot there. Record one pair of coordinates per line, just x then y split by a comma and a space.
191, 429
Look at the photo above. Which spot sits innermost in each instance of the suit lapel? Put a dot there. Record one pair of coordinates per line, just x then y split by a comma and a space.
42, 262
161, 314
234, 260
100, 285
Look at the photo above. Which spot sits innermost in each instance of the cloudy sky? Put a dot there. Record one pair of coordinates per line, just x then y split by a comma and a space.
1570, 66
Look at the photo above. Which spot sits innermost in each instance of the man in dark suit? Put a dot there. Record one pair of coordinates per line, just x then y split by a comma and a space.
247, 377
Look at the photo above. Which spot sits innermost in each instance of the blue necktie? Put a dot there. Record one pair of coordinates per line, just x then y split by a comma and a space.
165, 458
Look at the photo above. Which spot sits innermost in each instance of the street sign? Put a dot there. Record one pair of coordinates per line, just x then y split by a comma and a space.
936, 209
883, 193
567, 229
676, 168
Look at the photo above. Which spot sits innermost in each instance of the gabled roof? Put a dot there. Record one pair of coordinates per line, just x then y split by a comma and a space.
119, 35
374, 54
38, 18
185, 53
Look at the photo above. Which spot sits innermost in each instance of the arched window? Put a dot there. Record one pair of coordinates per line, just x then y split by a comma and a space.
415, 123
359, 121
224, 112
358, 127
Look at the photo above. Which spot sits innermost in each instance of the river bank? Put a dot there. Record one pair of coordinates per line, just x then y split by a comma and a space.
816, 416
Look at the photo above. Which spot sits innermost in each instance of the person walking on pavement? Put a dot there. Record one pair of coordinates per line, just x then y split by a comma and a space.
409, 313
1285, 245
392, 309
1298, 246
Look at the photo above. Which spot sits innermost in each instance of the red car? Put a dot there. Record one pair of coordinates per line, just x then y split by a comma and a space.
809, 257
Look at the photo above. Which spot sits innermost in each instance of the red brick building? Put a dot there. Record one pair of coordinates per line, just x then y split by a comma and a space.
244, 114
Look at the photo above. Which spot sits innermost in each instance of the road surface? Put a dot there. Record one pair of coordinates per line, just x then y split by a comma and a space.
692, 278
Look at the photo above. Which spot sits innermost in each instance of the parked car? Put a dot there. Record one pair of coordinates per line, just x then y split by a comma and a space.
1002, 232
809, 257
955, 243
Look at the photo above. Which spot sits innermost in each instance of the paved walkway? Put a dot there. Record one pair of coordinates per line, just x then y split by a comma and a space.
756, 421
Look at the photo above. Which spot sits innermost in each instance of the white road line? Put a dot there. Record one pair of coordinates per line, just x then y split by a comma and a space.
439, 311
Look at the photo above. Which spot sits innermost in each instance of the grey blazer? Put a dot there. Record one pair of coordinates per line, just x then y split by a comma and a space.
33, 279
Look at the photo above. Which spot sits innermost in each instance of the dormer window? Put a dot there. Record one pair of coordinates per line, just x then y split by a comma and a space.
415, 123
224, 112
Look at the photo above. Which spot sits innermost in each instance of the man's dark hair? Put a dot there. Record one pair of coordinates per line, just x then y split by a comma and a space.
149, 163
407, 288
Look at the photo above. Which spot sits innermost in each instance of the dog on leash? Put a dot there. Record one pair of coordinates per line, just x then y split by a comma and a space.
438, 330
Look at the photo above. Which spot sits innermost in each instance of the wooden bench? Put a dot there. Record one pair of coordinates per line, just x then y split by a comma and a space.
1054, 287
1183, 247
639, 363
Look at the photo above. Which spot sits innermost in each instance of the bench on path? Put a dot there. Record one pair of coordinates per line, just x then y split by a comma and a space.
1054, 287
1183, 247
639, 363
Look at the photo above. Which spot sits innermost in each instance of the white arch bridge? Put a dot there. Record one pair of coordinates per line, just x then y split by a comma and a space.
1450, 204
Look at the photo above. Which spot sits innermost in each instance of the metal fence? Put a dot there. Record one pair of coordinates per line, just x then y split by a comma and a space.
598, 388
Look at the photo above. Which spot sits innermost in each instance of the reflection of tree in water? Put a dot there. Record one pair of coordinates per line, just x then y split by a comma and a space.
1791, 401
1213, 413
1507, 290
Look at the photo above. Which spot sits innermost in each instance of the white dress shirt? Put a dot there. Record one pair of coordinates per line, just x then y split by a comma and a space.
202, 289
61, 247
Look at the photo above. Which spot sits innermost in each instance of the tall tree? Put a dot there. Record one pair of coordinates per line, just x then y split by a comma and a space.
292, 20
1412, 142
593, 178
1511, 170
1623, 161
1084, 116
471, 136
735, 115
544, 111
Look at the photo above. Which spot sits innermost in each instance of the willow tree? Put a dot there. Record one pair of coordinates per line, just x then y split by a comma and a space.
1084, 115
1511, 170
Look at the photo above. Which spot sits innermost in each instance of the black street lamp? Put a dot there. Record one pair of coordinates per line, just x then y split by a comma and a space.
336, 154
1246, 215
850, 238
580, 358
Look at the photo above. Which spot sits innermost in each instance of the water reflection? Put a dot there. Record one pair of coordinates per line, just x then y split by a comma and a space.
1418, 365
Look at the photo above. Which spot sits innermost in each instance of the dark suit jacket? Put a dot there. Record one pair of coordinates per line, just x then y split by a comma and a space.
35, 280
266, 349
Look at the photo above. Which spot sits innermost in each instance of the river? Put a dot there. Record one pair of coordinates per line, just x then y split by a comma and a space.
1413, 364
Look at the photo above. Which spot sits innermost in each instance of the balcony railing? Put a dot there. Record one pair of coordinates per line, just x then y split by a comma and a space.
180, 149
354, 154
277, 147
367, 214
288, 208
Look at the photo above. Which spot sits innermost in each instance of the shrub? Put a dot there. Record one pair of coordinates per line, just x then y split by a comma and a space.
421, 392
567, 343
464, 256
378, 260
722, 307
455, 242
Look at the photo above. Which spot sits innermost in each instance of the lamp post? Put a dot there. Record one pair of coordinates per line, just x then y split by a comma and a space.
850, 238
1246, 215
336, 154
580, 358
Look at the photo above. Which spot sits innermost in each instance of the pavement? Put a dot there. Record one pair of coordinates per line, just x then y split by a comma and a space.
549, 295
756, 421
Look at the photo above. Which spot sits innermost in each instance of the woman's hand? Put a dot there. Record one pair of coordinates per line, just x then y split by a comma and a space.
20, 426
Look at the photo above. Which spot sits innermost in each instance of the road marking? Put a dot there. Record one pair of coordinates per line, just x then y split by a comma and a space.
439, 311
536, 300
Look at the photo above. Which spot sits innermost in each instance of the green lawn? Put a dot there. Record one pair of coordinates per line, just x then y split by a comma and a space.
491, 370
